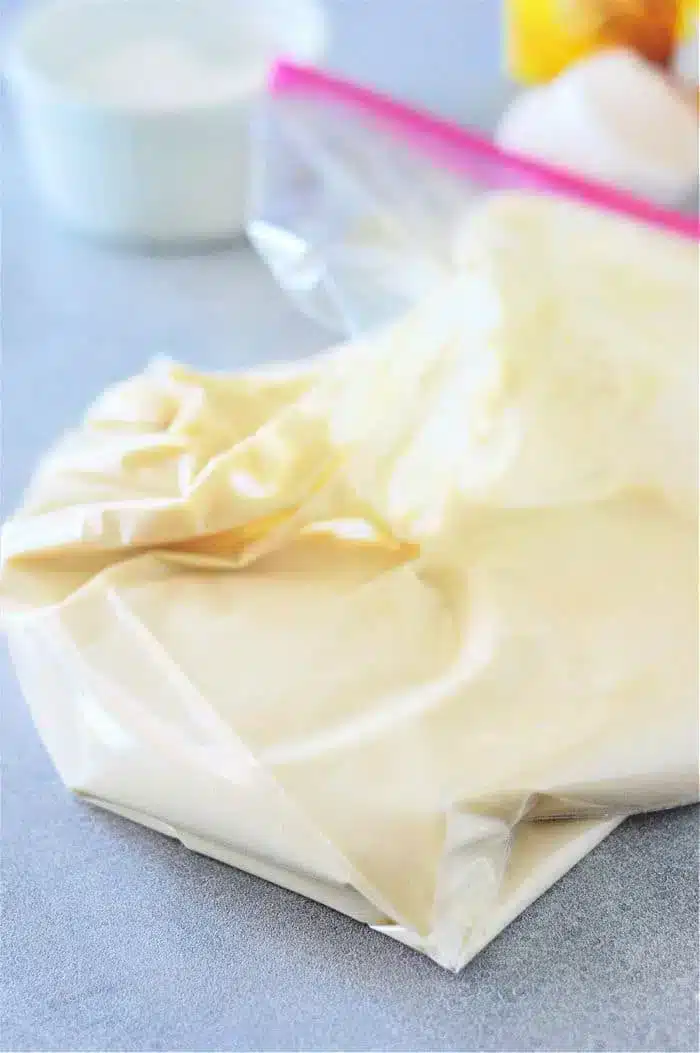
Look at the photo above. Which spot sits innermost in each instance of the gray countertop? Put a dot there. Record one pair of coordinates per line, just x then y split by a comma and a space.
119, 939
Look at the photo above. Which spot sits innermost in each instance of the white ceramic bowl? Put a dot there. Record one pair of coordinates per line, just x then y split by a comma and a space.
135, 113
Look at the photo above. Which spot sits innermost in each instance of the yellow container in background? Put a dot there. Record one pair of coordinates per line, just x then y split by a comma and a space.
544, 36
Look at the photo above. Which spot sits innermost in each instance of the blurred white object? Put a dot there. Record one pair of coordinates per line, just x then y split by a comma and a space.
158, 72
615, 118
135, 112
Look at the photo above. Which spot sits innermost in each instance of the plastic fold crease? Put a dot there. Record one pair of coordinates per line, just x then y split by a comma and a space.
408, 627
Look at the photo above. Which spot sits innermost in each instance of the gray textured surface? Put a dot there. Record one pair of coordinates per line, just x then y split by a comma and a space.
118, 939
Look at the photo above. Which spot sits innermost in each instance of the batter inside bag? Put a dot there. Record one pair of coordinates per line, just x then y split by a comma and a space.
440, 584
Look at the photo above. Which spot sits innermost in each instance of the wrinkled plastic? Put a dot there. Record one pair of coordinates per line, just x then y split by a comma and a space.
358, 202
411, 626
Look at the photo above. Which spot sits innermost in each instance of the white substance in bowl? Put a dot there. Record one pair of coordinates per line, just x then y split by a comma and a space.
615, 118
162, 72
136, 113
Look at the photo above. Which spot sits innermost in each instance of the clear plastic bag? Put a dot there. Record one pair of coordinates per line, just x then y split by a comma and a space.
239, 607
357, 200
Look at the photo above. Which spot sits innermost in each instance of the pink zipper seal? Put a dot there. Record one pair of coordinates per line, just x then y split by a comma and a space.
470, 154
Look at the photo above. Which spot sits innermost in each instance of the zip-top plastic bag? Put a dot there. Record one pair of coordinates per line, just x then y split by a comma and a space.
408, 627
359, 202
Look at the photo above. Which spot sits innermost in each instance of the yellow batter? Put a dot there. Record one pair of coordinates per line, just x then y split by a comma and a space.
429, 585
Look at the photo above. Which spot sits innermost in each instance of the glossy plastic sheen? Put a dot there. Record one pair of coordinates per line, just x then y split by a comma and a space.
408, 627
